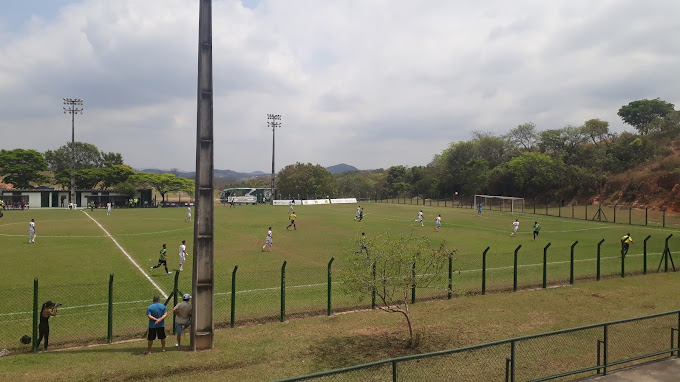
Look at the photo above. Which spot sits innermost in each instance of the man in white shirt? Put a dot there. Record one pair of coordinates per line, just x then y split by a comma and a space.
108, 208
268, 242
420, 218
182, 254
515, 226
188, 218
438, 223
291, 204
356, 216
31, 231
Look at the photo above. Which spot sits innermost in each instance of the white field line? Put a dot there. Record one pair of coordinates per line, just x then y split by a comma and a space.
122, 234
128, 256
336, 282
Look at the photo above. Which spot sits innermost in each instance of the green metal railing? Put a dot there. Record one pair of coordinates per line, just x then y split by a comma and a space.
583, 351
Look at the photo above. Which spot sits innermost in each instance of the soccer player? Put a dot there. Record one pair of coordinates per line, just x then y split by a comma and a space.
479, 209
108, 208
292, 218
31, 231
162, 260
268, 242
515, 226
626, 240
361, 214
438, 223
188, 218
356, 216
290, 206
182, 254
420, 218
537, 229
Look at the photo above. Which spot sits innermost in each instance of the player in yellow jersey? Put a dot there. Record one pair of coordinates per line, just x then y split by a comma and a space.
292, 218
626, 240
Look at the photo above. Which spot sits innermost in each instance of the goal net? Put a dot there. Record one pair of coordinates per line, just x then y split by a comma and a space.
500, 203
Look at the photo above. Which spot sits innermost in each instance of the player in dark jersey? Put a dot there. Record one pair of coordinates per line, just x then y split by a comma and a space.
162, 259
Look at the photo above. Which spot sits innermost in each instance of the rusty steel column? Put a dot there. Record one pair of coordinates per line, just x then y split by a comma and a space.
202, 328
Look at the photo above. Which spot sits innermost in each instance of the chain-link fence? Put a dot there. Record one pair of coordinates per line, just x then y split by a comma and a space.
106, 311
560, 355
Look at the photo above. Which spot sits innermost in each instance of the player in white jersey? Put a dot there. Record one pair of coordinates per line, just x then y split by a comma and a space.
182, 254
31, 231
515, 226
420, 218
188, 218
108, 208
438, 223
290, 206
268, 242
356, 216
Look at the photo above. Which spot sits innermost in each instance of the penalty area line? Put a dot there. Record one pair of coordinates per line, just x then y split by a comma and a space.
127, 255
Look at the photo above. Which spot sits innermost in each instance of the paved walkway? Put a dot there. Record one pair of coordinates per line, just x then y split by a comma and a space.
667, 370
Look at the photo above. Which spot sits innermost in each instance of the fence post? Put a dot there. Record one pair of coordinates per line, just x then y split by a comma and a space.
35, 315
644, 255
586, 217
373, 291
572, 211
283, 291
109, 331
512, 361
329, 285
598, 259
534, 206
646, 210
450, 294
233, 296
545, 265
484, 270
174, 293
664, 218
559, 210
614, 213
666, 254
623, 265
606, 343
630, 215
546, 207
514, 269
571, 264
413, 286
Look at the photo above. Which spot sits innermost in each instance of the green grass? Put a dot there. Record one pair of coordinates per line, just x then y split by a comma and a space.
72, 258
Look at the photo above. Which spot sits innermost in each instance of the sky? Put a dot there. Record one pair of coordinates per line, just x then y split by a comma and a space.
370, 83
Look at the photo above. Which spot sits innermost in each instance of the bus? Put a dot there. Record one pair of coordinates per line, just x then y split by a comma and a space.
245, 195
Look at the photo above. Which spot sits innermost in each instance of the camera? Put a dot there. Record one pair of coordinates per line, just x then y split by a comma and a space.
57, 304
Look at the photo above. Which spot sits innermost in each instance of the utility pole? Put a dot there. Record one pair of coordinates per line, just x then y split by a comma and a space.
202, 281
272, 121
70, 107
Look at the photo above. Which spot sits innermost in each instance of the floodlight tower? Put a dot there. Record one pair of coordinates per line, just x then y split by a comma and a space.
272, 121
71, 107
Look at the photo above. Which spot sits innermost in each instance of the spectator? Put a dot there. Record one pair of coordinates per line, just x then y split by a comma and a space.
156, 313
49, 309
183, 317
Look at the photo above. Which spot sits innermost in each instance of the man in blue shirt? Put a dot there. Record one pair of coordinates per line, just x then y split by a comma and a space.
156, 313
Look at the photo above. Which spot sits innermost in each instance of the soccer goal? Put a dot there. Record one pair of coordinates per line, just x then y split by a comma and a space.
510, 204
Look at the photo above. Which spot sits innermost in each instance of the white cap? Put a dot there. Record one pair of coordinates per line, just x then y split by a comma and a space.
186, 296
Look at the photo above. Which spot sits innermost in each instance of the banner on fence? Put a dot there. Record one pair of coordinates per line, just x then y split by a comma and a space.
315, 202
345, 200
242, 199
286, 202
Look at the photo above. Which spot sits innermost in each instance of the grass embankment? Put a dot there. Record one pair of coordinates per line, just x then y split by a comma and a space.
267, 352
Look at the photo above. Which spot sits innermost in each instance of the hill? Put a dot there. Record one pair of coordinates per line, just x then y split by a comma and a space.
340, 168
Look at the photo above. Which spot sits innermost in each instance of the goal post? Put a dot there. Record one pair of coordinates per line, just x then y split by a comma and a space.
511, 204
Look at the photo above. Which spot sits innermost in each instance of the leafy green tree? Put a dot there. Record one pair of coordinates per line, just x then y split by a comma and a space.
401, 263
641, 113
356, 183
115, 174
597, 131
86, 156
305, 179
523, 136
397, 181
535, 173
22, 167
110, 159
126, 188
162, 183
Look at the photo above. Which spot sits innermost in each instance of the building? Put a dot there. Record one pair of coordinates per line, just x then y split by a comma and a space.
47, 197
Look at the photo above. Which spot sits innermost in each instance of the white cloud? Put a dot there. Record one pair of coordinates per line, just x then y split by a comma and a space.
369, 83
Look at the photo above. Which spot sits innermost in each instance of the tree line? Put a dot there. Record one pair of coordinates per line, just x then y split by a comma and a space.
562, 163
94, 169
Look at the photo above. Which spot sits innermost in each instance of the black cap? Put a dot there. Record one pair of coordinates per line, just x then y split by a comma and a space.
49, 303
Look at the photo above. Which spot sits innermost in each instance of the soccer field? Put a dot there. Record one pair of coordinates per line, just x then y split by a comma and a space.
76, 251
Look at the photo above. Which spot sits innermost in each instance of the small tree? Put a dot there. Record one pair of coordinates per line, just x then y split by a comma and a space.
401, 263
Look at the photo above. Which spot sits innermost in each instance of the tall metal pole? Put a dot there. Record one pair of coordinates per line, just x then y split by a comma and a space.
70, 107
202, 328
272, 121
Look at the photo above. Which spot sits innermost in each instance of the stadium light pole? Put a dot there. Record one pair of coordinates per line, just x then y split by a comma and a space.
272, 121
71, 107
